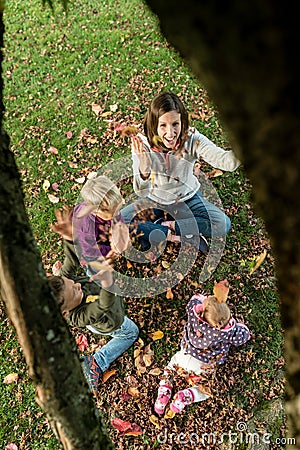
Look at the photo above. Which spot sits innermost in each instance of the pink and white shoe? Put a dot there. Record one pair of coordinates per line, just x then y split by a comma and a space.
163, 396
56, 268
181, 400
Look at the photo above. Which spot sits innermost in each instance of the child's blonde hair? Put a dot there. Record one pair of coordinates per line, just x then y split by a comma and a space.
101, 192
215, 313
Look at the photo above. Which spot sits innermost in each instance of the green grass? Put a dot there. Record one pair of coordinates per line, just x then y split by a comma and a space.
113, 55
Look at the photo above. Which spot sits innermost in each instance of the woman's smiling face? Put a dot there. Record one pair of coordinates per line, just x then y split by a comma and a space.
169, 128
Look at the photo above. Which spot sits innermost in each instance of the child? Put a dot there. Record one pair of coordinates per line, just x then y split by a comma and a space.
208, 335
163, 163
97, 224
105, 315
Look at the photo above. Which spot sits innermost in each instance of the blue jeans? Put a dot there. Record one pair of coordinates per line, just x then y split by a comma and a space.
196, 215
122, 339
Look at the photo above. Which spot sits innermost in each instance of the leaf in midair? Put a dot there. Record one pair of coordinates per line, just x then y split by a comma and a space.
157, 140
11, 378
221, 290
258, 261
82, 342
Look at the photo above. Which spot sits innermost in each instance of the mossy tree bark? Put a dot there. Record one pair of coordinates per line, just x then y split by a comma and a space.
244, 54
48, 346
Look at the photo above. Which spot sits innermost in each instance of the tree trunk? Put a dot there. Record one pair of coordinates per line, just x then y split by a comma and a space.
245, 55
49, 349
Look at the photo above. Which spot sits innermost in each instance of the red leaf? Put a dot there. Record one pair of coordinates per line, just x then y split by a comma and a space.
69, 134
55, 186
82, 342
127, 428
53, 150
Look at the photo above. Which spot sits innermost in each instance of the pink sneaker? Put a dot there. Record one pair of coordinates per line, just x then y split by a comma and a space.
163, 396
181, 400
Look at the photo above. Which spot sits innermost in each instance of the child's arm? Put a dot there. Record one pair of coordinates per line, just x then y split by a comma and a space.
212, 154
240, 335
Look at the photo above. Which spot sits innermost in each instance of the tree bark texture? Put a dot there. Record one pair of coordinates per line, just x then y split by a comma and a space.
245, 54
48, 346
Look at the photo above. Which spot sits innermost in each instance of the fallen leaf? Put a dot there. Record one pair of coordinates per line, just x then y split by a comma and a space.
169, 414
221, 290
215, 173
53, 150
92, 175
165, 264
153, 419
11, 378
82, 342
114, 107
53, 199
69, 134
169, 294
96, 108
11, 446
108, 373
46, 185
55, 187
258, 261
80, 180
134, 392
127, 428
157, 335
193, 379
155, 371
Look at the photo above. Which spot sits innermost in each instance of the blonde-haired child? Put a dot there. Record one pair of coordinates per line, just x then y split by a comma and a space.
98, 230
208, 334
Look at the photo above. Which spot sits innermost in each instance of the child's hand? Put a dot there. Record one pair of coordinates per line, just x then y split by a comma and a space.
144, 158
63, 226
104, 272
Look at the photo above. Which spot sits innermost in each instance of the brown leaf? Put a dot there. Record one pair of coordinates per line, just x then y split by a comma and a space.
221, 290
153, 419
11, 378
215, 173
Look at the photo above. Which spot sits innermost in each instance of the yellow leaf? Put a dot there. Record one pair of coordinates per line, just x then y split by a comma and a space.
91, 298
166, 264
169, 414
153, 419
157, 335
258, 261
155, 371
128, 264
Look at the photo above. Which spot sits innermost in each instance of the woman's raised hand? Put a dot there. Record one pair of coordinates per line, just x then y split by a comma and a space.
143, 155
